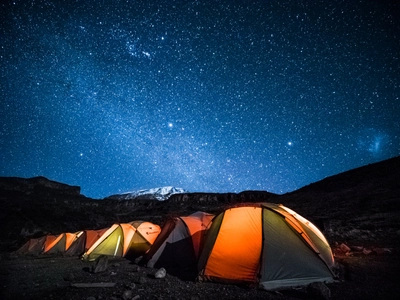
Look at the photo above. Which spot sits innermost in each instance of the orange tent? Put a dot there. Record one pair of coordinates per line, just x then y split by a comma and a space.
58, 243
267, 244
68, 244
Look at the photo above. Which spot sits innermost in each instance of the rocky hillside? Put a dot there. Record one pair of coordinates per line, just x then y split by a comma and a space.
36, 185
363, 203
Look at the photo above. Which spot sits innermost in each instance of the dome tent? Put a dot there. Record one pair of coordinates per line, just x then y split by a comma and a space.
267, 244
84, 240
178, 246
48, 244
120, 240
33, 246
68, 244
59, 243
124, 240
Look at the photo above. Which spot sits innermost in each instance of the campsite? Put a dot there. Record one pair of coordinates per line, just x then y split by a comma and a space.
356, 211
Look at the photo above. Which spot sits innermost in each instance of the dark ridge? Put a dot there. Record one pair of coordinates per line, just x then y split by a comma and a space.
365, 199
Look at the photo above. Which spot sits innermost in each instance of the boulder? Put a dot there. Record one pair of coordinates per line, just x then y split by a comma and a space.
100, 264
161, 273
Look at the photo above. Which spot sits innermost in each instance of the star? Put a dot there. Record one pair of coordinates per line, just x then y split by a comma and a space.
129, 97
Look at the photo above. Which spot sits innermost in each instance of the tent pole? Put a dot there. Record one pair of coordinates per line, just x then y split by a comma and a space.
116, 248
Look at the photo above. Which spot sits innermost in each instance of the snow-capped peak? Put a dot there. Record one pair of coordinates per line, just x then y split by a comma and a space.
160, 193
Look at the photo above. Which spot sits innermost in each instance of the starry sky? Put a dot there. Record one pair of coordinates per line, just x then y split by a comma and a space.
209, 96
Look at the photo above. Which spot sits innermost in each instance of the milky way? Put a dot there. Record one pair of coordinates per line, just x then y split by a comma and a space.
210, 96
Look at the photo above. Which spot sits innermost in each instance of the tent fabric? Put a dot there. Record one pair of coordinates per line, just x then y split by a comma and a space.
78, 243
49, 244
196, 225
32, 246
70, 239
91, 236
178, 246
59, 243
83, 241
266, 244
231, 248
54, 243
290, 260
123, 240
77, 247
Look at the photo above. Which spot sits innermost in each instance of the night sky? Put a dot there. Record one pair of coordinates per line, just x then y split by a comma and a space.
209, 96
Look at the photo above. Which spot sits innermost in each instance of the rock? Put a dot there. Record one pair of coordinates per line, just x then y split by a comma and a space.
344, 248
131, 286
136, 297
142, 280
367, 251
161, 273
340, 271
318, 290
357, 248
127, 295
138, 259
100, 264
382, 251
139, 279
69, 277
31, 229
135, 268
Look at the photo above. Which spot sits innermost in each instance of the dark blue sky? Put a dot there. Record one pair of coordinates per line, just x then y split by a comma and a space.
209, 96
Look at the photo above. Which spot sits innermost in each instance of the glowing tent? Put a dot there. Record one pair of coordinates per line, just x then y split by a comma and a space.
178, 246
267, 244
58, 243
84, 240
124, 240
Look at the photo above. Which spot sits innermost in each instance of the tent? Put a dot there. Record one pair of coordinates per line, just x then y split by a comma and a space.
68, 244
178, 245
49, 244
58, 243
265, 244
124, 240
84, 240
33, 246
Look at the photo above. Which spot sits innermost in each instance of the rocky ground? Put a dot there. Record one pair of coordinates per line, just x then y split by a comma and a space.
363, 276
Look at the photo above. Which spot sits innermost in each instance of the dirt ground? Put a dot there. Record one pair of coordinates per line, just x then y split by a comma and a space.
363, 277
